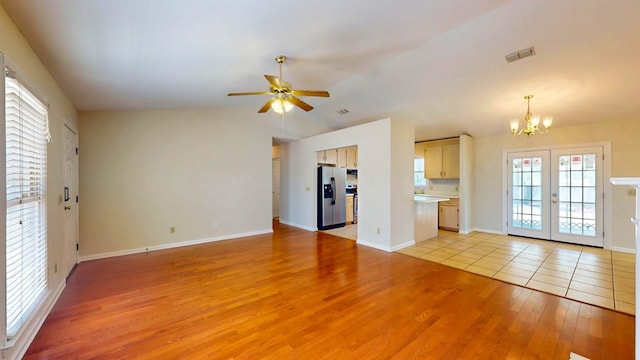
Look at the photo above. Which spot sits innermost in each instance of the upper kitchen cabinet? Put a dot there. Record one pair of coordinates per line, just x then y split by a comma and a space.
348, 157
328, 157
442, 159
419, 149
352, 157
342, 157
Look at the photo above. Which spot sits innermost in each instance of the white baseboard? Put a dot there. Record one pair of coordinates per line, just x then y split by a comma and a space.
488, 231
171, 245
303, 227
21, 345
625, 250
403, 245
386, 248
374, 245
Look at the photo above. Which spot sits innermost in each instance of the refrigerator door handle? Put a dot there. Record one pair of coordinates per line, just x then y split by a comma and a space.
333, 190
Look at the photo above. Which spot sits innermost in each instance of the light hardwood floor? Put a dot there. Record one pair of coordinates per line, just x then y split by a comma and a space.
303, 295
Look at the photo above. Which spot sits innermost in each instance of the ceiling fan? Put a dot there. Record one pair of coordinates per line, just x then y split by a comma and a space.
284, 97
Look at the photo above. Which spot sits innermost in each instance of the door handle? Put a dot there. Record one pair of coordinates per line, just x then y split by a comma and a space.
333, 190
67, 207
554, 201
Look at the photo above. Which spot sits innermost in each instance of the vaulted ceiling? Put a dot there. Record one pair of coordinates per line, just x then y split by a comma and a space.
438, 64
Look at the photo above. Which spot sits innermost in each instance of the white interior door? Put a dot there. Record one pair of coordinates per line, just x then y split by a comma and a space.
275, 181
70, 194
557, 195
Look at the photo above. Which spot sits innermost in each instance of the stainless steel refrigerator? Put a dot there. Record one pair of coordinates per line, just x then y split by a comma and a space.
331, 197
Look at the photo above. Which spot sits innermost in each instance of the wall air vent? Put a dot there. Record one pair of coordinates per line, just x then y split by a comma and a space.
342, 111
520, 54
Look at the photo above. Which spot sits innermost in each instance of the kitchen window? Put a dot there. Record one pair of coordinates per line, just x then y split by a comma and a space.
418, 173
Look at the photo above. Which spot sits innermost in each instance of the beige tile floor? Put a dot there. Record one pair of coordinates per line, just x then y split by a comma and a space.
349, 231
595, 276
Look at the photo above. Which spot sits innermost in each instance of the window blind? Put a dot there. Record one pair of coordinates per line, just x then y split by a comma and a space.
26, 131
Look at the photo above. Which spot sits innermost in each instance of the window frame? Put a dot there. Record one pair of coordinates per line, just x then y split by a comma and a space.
29, 309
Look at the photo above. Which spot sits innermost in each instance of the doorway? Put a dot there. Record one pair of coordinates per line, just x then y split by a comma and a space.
557, 195
71, 200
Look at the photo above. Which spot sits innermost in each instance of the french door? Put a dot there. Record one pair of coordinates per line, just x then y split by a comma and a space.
557, 195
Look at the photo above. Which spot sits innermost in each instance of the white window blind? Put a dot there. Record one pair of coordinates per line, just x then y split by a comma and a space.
26, 128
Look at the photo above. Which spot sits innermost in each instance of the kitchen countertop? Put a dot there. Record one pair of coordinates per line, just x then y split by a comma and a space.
450, 196
429, 198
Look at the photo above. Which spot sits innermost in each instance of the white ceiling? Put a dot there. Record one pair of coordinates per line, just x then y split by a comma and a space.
439, 64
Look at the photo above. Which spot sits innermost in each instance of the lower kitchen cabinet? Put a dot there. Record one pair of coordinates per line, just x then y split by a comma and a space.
448, 215
349, 204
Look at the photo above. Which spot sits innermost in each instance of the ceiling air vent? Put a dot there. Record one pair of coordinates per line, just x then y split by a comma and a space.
342, 111
520, 54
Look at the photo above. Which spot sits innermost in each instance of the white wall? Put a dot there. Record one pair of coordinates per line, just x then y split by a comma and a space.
625, 162
385, 181
205, 172
61, 111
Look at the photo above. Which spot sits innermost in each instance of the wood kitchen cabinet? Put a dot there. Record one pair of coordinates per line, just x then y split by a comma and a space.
419, 149
352, 157
348, 157
349, 210
448, 215
342, 157
329, 157
442, 159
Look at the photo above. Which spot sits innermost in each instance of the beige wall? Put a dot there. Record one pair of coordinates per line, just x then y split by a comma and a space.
625, 147
22, 58
205, 172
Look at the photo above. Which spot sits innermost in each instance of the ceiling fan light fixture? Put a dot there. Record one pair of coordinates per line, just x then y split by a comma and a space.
284, 97
281, 106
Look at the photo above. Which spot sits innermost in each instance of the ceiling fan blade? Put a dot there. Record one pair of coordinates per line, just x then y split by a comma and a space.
320, 93
299, 103
267, 105
274, 81
250, 93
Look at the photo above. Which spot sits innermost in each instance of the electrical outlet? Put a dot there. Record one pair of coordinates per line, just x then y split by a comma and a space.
172, 229
55, 267
215, 224
631, 192
308, 188
378, 231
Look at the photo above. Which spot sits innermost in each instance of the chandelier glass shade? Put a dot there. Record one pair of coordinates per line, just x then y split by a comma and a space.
532, 123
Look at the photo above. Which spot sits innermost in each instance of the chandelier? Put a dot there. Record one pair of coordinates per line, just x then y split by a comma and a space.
532, 123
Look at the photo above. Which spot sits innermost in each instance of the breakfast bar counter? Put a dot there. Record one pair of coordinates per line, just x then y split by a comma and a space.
425, 213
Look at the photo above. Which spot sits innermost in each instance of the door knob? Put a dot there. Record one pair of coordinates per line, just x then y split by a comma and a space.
554, 201
67, 207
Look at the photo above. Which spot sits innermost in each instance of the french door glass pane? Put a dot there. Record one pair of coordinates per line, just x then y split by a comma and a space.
527, 193
577, 194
